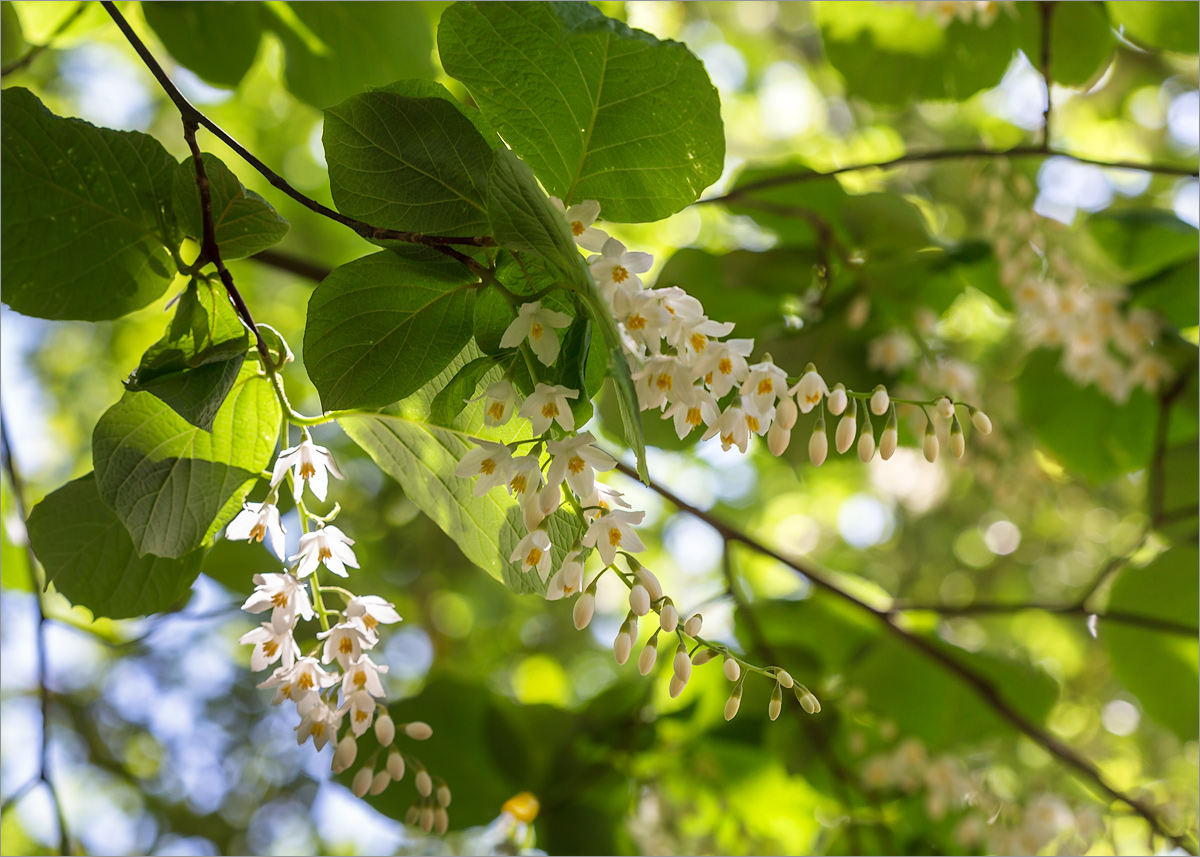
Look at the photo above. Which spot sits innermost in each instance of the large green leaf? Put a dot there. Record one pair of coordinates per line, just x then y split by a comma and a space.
90, 558
1161, 669
422, 457
244, 222
1167, 25
172, 484
337, 49
1172, 292
598, 110
194, 366
408, 163
218, 41
1144, 241
523, 218
382, 326
12, 39
85, 221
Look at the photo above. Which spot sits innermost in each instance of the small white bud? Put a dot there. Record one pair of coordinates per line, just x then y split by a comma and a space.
732, 669
426, 821
677, 686
622, 646
880, 401
692, 626
441, 821
983, 425
682, 664
958, 445
807, 700
847, 428
648, 656
786, 413
890, 437
945, 407
443, 795
344, 755
418, 731
413, 815
639, 600
424, 783
361, 783
837, 400
584, 608
380, 782
703, 656
733, 703
818, 444
647, 579
778, 437
385, 730
866, 441
931, 444
668, 618
783, 677
395, 765
776, 703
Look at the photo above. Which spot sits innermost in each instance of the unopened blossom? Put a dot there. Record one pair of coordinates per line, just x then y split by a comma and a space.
580, 218
577, 460
310, 465
548, 404
345, 642
879, 400
732, 428
837, 400
818, 443
537, 324
490, 462
616, 269
500, 400
809, 390
321, 723
723, 365
327, 545
533, 552
363, 674
765, 383
256, 522
284, 595
612, 532
663, 379
301, 683
270, 644
373, 610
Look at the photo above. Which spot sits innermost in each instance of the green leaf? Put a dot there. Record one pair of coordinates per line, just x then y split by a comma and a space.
1081, 42
218, 41
194, 366
417, 88
598, 110
335, 50
172, 484
243, 221
90, 558
523, 218
492, 317
14, 559
382, 326
415, 164
1143, 241
746, 287
572, 367
85, 221
1172, 292
1080, 426
1161, 669
452, 398
422, 457
12, 39
1166, 25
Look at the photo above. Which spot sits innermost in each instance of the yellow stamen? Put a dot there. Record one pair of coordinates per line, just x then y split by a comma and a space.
305, 682
279, 599
361, 715
370, 621
614, 536
665, 382
725, 366
496, 410
536, 330
620, 275
577, 228
256, 533
534, 557
635, 322
346, 646
752, 422
550, 410
518, 484
765, 386
324, 553
318, 729
487, 466
307, 471
270, 647
727, 439
699, 341
576, 464
693, 417
360, 678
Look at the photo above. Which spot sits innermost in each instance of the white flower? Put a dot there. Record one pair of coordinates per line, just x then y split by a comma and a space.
580, 218
612, 531
616, 269
255, 521
327, 545
723, 365
345, 641
809, 390
606, 498
321, 723
732, 428
577, 461
568, 580
491, 462
645, 319
525, 487
270, 644
691, 409
549, 404
310, 464
363, 674
502, 400
1150, 371
658, 381
372, 610
693, 337
284, 594
684, 309
361, 707
533, 551
765, 383
300, 683
891, 352
536, 323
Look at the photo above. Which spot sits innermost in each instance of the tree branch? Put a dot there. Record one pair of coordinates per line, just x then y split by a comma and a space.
992, 608
29, 56
1046, 8
984, 689
292, 264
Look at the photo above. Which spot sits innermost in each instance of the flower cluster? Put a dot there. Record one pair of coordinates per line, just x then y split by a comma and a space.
337, 683
983, 12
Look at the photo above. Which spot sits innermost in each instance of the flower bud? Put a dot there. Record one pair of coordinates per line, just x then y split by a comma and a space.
622, 646
847, 428
931, 444
668, 618
344, 755
945, 407
554, 589
572, 571
784, 677
733, 703
786, 413
413, 815
880, 401
733, 670
380, 782
818, 444
983, 425
549, 499
866, 441
426, 820
778, 437
704, 656
443, 795
584, 608
807, 700
776, 704
647, 579
958, 445
677, 686
424, 782
889, 438
648, 656
639, 600
395, 765
385, 730
682, 664
441, 821
692, 626
837, 400
361, 783
418, 730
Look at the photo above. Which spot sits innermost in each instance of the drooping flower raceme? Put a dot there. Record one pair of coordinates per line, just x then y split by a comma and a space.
536, 324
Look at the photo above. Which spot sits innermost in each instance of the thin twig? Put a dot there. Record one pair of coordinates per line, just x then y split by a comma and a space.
29, 56
1047, 12
983, 688
292, 264
992, 608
